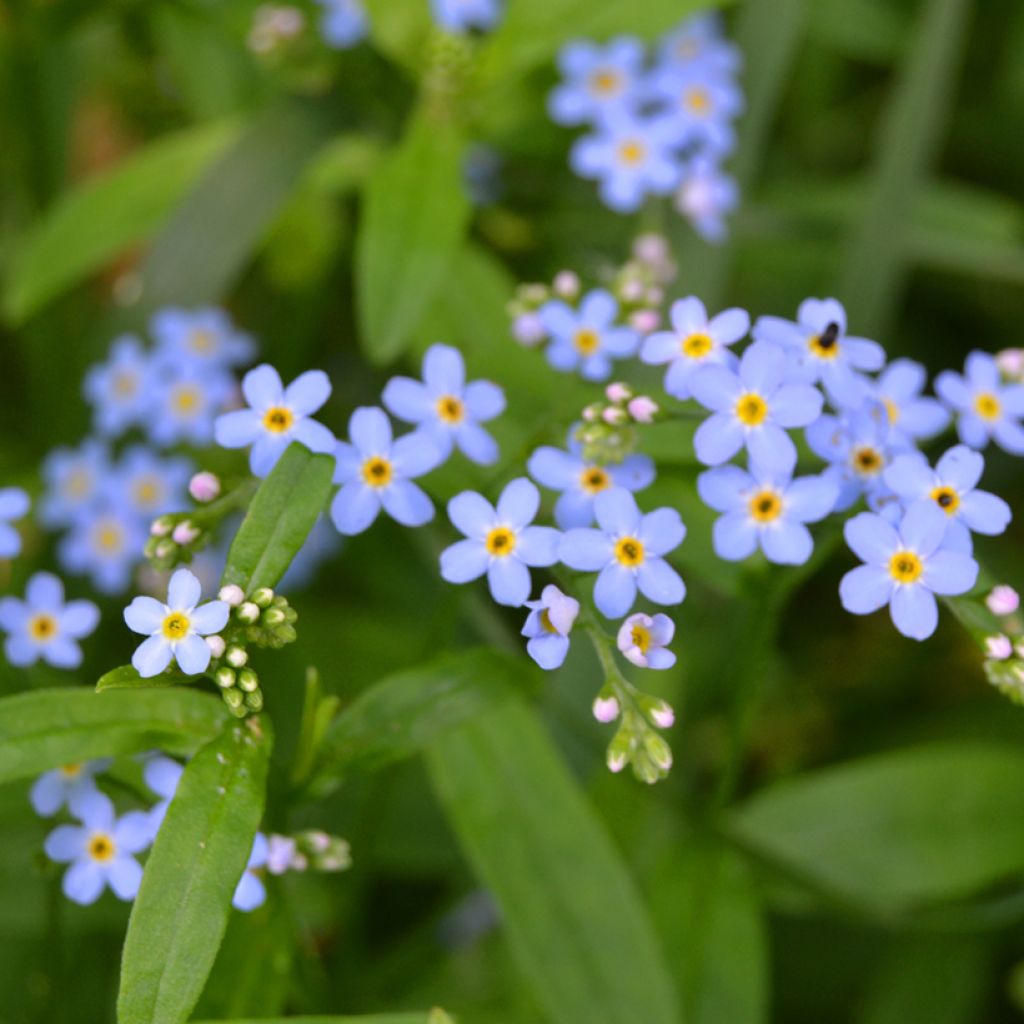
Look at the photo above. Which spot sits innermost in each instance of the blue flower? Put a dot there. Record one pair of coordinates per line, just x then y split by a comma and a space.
987, 409
751, 407
766, 509
581, 482
162, 775
912, 417
627, 550
44, 626
705, 196
587, 338
701, 103
548, 626
250, 892
151, 485
14, 504
632, 156
823, 350
100, 851
104, 543
905, 567
462, 15
74, 479
175, 630
698, 42
445, 407
694, 341
276, 416
376, 471
344, 23
952, 487
204, 336
598, 79
643, 640
500, 541
185, 404
119, 390
67, 785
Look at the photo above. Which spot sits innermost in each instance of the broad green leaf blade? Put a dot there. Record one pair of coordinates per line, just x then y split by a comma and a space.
401, 715
282, 513
99, 219
876, 266
415, 215
573, 918
127, 678
46, 728
385, 1018
181, 911
938, 822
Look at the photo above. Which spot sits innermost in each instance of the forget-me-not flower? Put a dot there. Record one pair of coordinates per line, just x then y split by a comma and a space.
151, 485
699, 42
100, 851
693, 342
74, 478
500, 542
952, 486
587, 338
912, 416
986, 408
628, 550
119, 390
343, 23
643, 640
44, 625
175, 630
186, 403
597, 79
460, 16
548, 626
105, 543
205, 336
14, 504
706, 195
250, 892
752, 407
375, 471
445, 407
67, 785
277, 415
701, 104
766, 509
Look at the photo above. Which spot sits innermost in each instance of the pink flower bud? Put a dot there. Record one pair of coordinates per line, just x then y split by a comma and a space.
651, 248
655, 296
643, 409
606, 709
632, 291
614, 416
528, 329
1003, 600
998, 646
618, 392
592, 413
204, 486
616, 761
645, 320
185, 533
662, 715
160, 528
566, 284
1011, 362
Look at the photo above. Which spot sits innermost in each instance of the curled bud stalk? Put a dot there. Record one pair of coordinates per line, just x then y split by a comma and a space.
1003, 600
216, 645
232, 594
204, 487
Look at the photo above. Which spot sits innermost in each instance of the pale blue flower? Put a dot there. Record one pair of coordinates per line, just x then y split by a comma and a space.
175, 630
120, 390
460, 16
906, 566
693, 342
276, 417
500, 542
105, 543
912, 416
204, 336
186, 403
699, 42
628, 551
100, 851
375, 471
343, 23
74, 479
587, 338
644, 639
752, 408
250, 892
548, 626
67, 786
150, 484
445, 407
14, 504
162, 775
766, 509
986, 408
44, 625
701, 104
597, 80
706, 196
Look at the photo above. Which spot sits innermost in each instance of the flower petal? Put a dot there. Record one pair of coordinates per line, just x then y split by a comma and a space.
370, 431
124, 875
985, 513
354, 508
659, 582
308, 392
65, 842
408, 400
210, 618
661, 531
538, 545
914, 612
152, 656
477, 444
192, 654
787, 543
45, 592
865, 589
145, 615
463, 561
554, 468
518, 504
262, 388
415, 454
923, 527
950, 572
315, 436
444, 371
484, 400
585, 550
237, 429
509, 580
615, 591
83, 882
871, 538
471, 514
617, 512
407, 504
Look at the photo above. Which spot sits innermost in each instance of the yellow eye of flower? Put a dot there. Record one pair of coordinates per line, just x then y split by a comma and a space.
42, 628
500, 542
632, 152
867, 461
108, 538
450, 409
147, 491
545, 621
594, 480
101, 846
892, 410
377, 472
751, 409
765, 506
629, 552
78, 483
640, 637
988, 406
696, 346
697, 100
278, 419
905, 567
175, 626
125, 383
605, 83
186, 400
587, 342
947, 499
201, 340
826, 344
71, 771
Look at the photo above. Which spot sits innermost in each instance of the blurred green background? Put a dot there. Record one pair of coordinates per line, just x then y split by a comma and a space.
148, 157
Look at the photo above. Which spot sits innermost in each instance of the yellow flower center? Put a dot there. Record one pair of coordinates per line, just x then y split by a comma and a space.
101, 847
696, 346
78, 483
947, 499
892, 410
826, 344
125, 383
175, 626
186, 400
450, 409
377, 472
988, 406
278, 419
545, 621
594, 480
867, 461
751, 409
905, 567
765, 506
605, 83
697, 100
587, 342
500, 542
201, 340
632, 152
641, 637
71, 771
147, 491
42, 627
629, 552
108, 538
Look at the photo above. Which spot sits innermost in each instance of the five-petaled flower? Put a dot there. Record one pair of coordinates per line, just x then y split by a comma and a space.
644, 639
69, 784
598, 79
548, 626
119, 389
588, 337
44, 626
912, 416
987, 409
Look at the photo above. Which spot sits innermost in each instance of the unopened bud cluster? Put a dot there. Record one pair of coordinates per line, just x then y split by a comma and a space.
312, 850
1004, 651
173, 540
608, 432
637, 742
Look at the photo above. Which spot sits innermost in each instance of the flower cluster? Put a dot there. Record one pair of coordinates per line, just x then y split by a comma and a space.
661, 123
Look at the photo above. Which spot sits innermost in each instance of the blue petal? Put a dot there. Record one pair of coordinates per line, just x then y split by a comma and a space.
555, 468
961, 468
763, 367
615, 591
914, 612
796, 405
787, 543
407, 504
463, 561
124, 875
716, 387
659, 582
661, 531
265, 452
152, 656
415, 454
518, 503
471, 514
45, 592
354, 508
865, 589
725, 489
538, 545
984, 512
370, 431
315, 436
308, 392
734, 536
262, 388
772, 449
408, 400
574, 509
811, 498
617, 512
509, 581
484, 400
871, 538
83, 882
548, 651
950, 572
192, 655
184, 591
477, 444
444, 371
585, 550
923, 527
718, 439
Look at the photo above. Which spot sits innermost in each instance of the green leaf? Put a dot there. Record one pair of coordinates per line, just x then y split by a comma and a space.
127, 678
573, 918
282, 513
46, 728
181, 911
938, 822
404, 713
414, 219
384, 1018
99, 219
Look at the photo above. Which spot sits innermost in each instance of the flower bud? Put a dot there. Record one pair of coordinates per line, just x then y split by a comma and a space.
645, 320
216, 645
1011, 363
286, 634
659, 712
248, 680
606, 707
263, 597
274, 617
254, 700
998, 646
232, 594
651, 248
248, 613
528, 329
224, 677
620, 750
185, 533
658, 751
655, 296
204, 486
643, 409
233, 698
632, 291
592, 413
1003, 600
618, 392
614, 416
280, 853
566, 284
236, 657
161, 527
